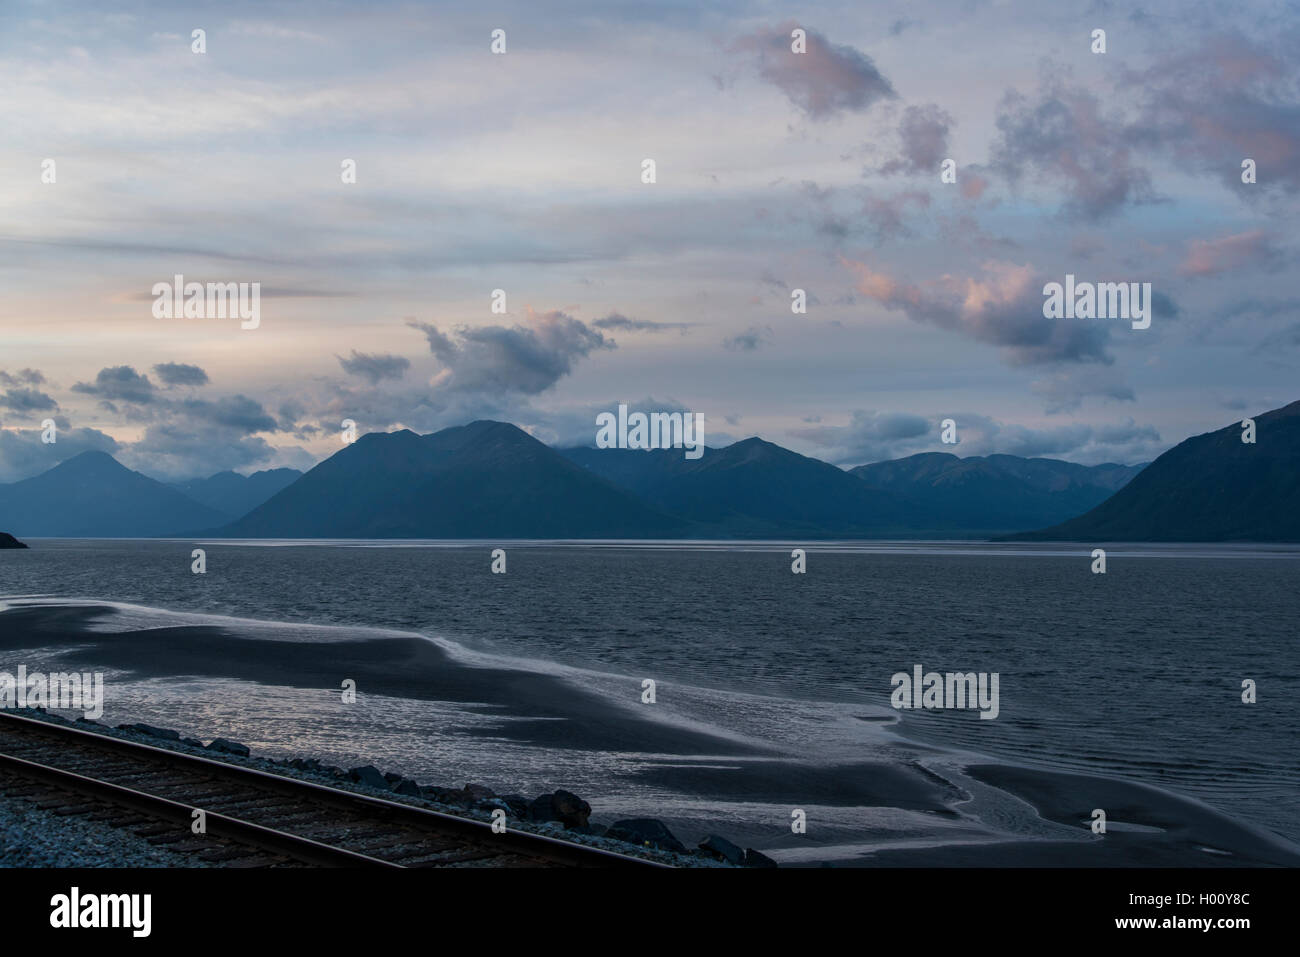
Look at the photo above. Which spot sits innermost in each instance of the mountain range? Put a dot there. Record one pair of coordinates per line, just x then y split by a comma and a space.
92, 495
492, 480
1209, 488
987, 494
235, 495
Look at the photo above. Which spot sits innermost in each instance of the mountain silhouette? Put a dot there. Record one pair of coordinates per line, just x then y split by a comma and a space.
92, 495
996, 493
754, 489
236, 495
482, 480
1209, 488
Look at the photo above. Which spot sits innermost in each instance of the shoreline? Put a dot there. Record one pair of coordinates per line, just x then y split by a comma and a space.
919, 812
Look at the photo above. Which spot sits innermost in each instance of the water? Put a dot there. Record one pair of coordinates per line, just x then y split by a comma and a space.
1136, 673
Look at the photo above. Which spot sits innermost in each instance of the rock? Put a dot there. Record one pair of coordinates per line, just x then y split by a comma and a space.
84, 720
646, 832
542, 809
569, 809
192, 742
369, 775
392, 777
722, 849
516, 804
226, 746
8, 541
441, 795
166, 734
478, 792
754, 859
408, 787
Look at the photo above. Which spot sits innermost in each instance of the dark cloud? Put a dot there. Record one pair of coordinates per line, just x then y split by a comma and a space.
1063, 138
178, 373
121, 383
375, 367
521, 359
620, 322
236, 412
923, 141
22, 377
27, 400
827, 79
201, 437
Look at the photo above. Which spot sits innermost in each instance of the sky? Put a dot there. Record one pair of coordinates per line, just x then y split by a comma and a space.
522, 171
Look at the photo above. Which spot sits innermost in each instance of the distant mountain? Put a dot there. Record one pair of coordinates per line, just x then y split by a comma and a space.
1210, 488
8, 541
91, 495
482, 480
996, 493
236, 495
755, 489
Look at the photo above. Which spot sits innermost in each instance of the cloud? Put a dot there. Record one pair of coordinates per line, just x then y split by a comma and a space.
1003, 308
1209, 257
179, 373
375, 367
923, 138
22, 377
177, 451
203, 436
1065, 389
872, 436
27, 400
237, 412
749, 340
616, 321
1063, 138
1230, 99
886, 213
825, 80
523, 359
119, 383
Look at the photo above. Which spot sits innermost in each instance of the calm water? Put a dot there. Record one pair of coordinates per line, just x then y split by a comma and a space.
1135, 673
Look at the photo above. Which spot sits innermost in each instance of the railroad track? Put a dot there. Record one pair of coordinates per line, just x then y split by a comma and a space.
255, 818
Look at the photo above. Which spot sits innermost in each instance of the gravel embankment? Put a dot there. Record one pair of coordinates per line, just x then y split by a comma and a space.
33, 837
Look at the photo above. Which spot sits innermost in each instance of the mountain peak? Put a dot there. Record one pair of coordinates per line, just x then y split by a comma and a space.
92, 460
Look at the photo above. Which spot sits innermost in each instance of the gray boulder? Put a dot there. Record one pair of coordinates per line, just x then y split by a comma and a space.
723, 850
646, 832
167, 734
226, 746
369, 775
408, 787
